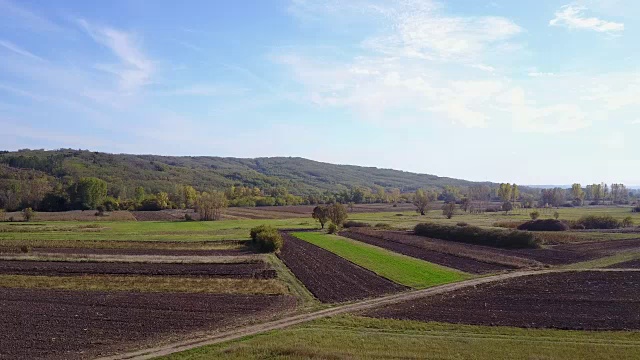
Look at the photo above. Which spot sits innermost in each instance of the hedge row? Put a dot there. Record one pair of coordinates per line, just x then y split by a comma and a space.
513, 239
544, 225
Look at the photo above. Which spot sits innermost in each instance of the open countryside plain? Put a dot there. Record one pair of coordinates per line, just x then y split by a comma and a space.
166, 282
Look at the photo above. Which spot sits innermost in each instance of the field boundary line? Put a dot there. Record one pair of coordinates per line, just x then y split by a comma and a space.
235, 334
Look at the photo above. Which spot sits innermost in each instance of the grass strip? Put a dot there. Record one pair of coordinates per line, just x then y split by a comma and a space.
145, 284
398, 268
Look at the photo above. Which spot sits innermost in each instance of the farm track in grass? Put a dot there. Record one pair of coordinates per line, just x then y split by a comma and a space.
398, 268
253, 270
362, 305
457, 256
55, 324
329, 277
360, 338
585, 300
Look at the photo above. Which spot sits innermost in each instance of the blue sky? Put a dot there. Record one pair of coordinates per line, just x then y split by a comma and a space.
530, 92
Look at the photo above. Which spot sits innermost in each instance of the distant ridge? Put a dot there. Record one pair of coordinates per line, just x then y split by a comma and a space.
161, 173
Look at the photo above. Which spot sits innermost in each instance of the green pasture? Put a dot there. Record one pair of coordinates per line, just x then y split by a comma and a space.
352, 337
398, 268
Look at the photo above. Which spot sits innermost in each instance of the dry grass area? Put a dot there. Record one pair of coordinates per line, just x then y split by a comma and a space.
147, 259
75, 215
145, 284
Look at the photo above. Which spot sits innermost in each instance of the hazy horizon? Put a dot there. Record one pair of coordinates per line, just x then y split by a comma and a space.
502, 91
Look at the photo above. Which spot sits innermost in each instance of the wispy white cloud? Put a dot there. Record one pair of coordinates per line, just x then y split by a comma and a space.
18, 50
572, 16
15, 15
135, 69
205, 90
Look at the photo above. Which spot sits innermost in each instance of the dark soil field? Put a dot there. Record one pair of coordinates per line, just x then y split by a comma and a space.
631, 264
402, 244
329, 277
571, 300
572, 253
134, 251
256, 270
51, 324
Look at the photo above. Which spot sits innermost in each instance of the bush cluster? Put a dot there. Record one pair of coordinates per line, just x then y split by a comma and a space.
383, 226
266, 238
636, 209
352, 223
544, 225
598, 222
332, 228
512, 239
508, 224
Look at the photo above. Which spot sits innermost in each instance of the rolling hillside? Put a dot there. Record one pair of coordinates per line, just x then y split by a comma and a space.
160, 173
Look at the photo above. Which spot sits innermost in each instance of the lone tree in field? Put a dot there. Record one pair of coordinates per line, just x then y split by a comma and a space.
421, 201
449, 209
507, 206
321, 214
27, 214
210, 205
337, 214
465, 203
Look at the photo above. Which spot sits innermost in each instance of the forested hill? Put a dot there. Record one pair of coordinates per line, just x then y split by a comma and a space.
124, 172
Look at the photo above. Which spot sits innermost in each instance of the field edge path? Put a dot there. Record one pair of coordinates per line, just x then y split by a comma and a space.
235, 334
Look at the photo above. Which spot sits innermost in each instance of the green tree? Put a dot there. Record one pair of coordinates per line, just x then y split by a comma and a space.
321, 215
515, 193
465, 203
210, 205
450, 194
337, 214
421, 201
27, 214
507, 206
449, 209
91, 192
504, 192
577, 194
163, 200
139, 194
189, 196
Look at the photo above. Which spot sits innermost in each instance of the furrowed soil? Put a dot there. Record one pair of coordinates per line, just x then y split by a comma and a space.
440, 253
631, 264
586, 300
329, 277
134, 251
55, 324
255, 270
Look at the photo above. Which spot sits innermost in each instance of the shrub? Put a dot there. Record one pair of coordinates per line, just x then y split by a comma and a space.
534, 215
25, 249
462, 223
351, 223
599, 222
258, 229
556, 215
627, 222
383, 226
100, 210
332, 228
266, 238
111, 204
188, 217
269, 241
636, 209
544, 225
27, 214
513, 239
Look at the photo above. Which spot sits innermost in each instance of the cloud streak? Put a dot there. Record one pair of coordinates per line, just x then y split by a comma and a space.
135, 69
16, 49
572, 16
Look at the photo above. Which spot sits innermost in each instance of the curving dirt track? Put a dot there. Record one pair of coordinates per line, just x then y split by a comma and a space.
82, 325
257, 270
404, 244
586, 300
329, 277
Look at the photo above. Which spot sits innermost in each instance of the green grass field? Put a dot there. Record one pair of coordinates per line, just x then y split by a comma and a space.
142, 230
398, 268
351, 337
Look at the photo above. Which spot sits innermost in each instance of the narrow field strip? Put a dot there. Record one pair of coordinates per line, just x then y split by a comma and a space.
134, 259
356, 337
145, 284
398, 268
606, 262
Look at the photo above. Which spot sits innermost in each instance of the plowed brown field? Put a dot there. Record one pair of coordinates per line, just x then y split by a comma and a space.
51, 324
588, 300
329, 277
